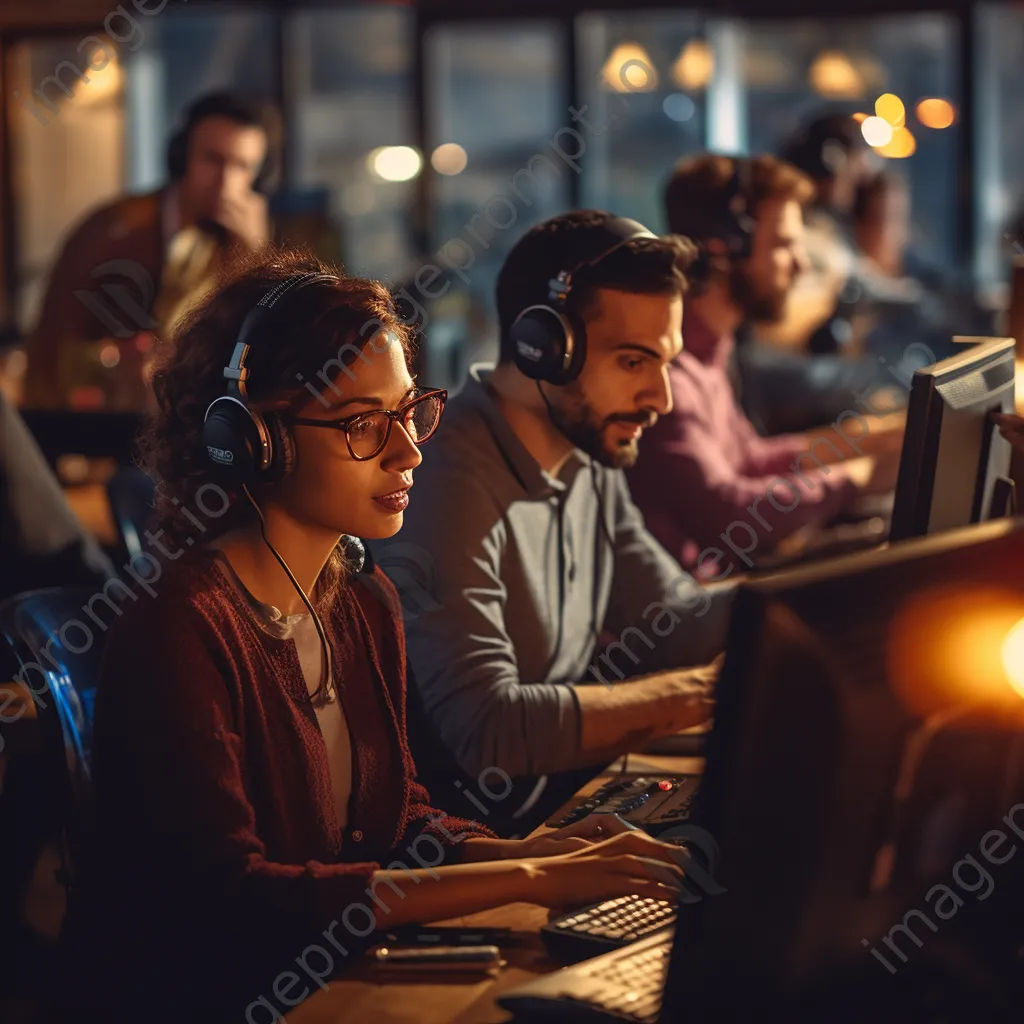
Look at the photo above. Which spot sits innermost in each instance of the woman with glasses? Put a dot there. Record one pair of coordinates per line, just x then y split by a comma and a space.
257, 811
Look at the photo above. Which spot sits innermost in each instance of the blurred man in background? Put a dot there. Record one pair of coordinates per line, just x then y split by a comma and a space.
705, 477
125, 272
883, 295
832, 152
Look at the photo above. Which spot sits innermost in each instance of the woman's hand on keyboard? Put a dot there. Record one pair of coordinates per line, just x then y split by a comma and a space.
637, 843
592, 875
580, 835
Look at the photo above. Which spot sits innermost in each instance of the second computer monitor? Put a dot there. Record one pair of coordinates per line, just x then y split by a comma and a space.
954, 468
869, 733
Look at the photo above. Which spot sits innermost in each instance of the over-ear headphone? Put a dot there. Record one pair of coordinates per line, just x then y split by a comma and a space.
550, 339
734, 225
239, 440
737, 225
215, 105
822, 148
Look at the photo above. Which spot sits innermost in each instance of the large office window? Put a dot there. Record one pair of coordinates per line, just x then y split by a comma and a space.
503, 147
998, 141
499, 162
671, 84
645, 80
67, 150
795, 70
349, 98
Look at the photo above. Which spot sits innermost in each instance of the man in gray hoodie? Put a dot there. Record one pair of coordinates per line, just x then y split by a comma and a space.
522, 552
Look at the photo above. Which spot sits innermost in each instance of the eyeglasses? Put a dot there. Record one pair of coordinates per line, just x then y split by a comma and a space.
367, 433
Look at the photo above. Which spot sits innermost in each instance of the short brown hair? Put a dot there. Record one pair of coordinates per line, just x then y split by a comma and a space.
696, 193
645, 266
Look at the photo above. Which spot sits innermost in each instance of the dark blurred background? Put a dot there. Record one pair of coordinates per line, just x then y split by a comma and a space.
402, 120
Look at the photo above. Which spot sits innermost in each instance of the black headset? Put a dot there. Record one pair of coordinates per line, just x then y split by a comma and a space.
737, 225
239, 440
822, 147
250, 445
550, 339
215, 105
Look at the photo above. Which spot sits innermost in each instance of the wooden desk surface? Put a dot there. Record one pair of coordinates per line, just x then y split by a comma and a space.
363, 995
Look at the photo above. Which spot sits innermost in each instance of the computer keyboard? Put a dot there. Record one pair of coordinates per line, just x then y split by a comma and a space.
650, 802
625, 985
606, 926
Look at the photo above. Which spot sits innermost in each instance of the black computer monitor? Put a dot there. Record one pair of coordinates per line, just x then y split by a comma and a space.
866, 736
954, 467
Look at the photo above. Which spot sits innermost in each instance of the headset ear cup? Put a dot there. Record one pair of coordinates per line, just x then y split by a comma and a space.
232, 440
282, 447
539, 337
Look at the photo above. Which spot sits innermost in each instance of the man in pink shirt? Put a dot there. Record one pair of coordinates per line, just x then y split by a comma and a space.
713, 491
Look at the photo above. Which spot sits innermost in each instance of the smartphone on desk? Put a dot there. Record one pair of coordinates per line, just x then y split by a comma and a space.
419, 935
425, 958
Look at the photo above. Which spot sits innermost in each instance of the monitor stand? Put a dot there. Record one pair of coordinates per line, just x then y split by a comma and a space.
1004, 498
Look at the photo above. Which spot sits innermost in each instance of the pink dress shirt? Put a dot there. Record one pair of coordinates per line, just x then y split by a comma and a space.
711, 489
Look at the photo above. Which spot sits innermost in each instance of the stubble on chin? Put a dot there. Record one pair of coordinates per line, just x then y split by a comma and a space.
625, 458
621, 456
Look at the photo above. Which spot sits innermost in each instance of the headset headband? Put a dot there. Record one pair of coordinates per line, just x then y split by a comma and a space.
622, 229
236, 372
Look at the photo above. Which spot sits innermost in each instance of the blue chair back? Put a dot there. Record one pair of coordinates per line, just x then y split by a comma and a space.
57, 637
130, 492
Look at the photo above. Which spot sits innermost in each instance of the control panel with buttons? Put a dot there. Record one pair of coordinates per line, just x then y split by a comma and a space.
646, 801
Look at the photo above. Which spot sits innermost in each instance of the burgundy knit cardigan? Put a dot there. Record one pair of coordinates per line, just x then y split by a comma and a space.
217, 835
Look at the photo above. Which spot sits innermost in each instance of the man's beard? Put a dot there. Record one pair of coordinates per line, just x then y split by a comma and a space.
754, 301
576, 419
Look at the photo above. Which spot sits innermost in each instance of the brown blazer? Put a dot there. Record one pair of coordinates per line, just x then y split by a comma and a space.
103, 285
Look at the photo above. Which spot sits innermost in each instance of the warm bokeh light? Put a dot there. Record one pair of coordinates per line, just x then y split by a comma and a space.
629, 68
876, 131
1013, 656
901, 145
860, 117
448, 158
833, 75
890, 107
110, 355
949, 645
678, 106
935, 113
695, 65
103, 84
395, 163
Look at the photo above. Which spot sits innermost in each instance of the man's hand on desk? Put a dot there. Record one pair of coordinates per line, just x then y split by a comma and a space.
695, 697
1011, 427
879, 435
873, 474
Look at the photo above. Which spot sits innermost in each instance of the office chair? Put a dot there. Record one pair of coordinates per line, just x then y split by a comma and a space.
130, 493
57, 638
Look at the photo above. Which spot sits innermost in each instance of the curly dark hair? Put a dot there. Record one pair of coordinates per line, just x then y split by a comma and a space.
323, 325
